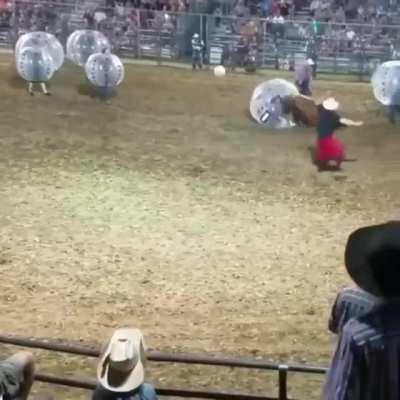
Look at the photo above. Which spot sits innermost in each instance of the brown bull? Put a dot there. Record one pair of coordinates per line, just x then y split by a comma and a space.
303, 109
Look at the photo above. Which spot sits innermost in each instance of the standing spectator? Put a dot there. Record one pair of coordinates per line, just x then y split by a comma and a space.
197, 51
120, 372
366, 362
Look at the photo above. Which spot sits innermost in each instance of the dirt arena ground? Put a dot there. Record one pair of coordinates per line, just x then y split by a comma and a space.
170, 210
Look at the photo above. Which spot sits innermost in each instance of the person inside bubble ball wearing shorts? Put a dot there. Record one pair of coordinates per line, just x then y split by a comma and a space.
43, 86
106, 92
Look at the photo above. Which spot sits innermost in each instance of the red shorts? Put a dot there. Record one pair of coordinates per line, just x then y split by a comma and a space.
329, 149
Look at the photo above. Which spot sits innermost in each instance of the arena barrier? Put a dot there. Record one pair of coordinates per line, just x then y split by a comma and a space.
182, 358
166, 36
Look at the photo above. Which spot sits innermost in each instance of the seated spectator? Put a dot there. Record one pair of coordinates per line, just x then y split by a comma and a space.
120, 372
340, 17
315, 6
365, 365
278, 25
350, 303
274, 8
218, 15
17, 376
284, 8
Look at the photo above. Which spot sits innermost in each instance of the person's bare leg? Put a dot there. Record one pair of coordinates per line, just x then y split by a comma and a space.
30, 88
26, 362
44, 88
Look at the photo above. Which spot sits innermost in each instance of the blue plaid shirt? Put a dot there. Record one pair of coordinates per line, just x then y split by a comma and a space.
350, 303
366, 364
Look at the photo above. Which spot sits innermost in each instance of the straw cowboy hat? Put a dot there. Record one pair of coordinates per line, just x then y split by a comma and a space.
120, 367
330, 104
366, 245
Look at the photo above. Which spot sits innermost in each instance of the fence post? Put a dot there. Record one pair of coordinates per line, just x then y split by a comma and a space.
283, 372
15, 22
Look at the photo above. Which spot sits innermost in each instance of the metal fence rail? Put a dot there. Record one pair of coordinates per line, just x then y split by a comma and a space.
156, 356
166, 36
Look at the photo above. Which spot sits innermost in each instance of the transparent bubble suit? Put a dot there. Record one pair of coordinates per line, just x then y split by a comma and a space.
386, 83
35, 64
42, 40
265, 104
104, 70
82, 44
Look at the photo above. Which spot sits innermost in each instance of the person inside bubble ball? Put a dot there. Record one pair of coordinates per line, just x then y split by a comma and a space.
329, 153
106, 92
394, 108
43, 86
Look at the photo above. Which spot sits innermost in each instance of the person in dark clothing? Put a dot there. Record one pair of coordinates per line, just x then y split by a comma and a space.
197, 51
329, 149
394, 114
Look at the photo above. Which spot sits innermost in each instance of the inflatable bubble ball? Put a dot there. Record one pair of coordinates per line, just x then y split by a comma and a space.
82, 44
267, 103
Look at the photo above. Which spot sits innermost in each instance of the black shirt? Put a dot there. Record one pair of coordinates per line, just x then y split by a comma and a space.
328, 122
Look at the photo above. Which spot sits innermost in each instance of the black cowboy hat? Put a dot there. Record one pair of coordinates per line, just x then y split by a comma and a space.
372, 254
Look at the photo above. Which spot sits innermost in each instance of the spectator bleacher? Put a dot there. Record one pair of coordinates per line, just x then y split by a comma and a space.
287, 32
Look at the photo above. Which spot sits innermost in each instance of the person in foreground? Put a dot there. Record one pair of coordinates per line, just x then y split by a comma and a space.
329, 153
350, 302
367, 359
120, 371
17, 376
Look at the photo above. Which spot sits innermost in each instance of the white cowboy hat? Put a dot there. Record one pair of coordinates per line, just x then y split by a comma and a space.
330, 104
195, 35
120, 367
310, 61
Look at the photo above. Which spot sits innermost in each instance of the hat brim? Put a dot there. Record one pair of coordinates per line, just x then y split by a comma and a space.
118, 381
330, 105
361, 245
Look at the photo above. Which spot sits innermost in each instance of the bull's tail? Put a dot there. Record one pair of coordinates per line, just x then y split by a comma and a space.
350, 160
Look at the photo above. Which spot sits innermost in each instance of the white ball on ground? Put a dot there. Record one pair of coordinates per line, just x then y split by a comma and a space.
219, 71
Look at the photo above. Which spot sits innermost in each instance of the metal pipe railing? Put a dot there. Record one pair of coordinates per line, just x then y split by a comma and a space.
90, 384
158, 356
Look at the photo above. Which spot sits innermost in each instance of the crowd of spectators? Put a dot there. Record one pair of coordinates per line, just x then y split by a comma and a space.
321, 25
